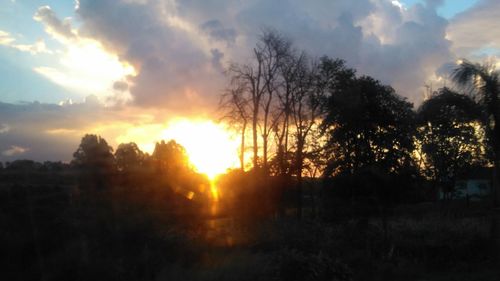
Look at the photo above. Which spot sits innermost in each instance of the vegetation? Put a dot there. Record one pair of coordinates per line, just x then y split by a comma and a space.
344, 184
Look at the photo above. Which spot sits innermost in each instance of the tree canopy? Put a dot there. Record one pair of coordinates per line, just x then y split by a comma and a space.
367, 123
449, 136
93, 152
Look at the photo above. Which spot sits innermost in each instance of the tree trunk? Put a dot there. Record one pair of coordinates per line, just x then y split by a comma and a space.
264, 153
285, 145
265, 134
254, 136
299, 195
242, 149
299, 160
282, 147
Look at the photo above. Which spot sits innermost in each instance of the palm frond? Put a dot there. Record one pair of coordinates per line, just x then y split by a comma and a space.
466, 73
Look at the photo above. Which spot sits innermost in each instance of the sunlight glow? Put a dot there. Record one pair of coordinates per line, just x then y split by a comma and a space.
87, 67
211, 148
398, 4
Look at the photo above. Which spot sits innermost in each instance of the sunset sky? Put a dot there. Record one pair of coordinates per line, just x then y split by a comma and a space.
130, 70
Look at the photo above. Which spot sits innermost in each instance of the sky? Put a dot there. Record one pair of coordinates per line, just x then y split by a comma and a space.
125, 69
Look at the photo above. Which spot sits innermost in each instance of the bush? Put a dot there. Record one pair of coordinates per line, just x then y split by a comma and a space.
293, 265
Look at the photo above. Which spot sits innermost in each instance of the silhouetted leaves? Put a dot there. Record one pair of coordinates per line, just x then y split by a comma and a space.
450, 137
128, 157
367, 123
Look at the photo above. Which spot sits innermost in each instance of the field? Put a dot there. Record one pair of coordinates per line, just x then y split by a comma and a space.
55, 232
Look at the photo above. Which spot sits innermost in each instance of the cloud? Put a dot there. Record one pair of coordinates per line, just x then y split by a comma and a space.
39, 127
86, 68
217, 57
217, 31
53, 131
414, 47
53, 25
5, 38
14, 150
38, 47
168, 56
83, 66
4, 128
179, 48
120, 86
171, 54
476, 28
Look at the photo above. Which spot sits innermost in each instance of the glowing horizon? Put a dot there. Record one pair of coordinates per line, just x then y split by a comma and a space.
212, 149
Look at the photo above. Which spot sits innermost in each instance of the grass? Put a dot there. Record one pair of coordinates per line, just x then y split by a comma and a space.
130, 242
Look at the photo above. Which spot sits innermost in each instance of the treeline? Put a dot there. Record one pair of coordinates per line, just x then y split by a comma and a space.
317, 117
95, 162
112, 215
304, 117
164, 182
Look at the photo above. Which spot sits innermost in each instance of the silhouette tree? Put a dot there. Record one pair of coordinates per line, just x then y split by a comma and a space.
292, 69
53, 166
235, 107
449, 142
257, 82
306, 112
366, 123
484, 83
171, 158
23, 165
273, 49
128, 157
93, 151
95, 158
369, 142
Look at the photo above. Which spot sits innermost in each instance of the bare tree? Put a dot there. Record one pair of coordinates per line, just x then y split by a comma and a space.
306, 110
257, 83
235, 107
290, 71
249, 79
274, 49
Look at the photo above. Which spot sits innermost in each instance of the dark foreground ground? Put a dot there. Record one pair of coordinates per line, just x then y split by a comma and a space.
55, 232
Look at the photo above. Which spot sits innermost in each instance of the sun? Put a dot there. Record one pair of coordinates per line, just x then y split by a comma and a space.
211, 148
